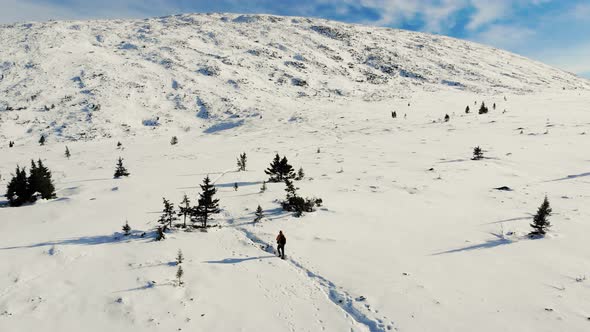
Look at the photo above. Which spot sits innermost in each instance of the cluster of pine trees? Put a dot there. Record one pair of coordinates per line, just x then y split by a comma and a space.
207, 206
27, 189
281, 171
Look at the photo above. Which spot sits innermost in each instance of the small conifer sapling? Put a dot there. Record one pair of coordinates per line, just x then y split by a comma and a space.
67, 153
179, 274
179, 257
126, 228
120, 170
540, 223
259, 214
477, 153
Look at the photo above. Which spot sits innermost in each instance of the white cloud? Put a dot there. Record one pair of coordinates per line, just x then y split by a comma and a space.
504, 36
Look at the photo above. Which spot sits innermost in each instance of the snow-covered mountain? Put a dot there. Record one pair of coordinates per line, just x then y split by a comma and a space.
81, 80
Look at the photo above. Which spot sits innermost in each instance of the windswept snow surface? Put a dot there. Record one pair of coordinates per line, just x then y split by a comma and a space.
412, 235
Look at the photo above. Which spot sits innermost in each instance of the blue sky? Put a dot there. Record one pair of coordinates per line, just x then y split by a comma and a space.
553, 31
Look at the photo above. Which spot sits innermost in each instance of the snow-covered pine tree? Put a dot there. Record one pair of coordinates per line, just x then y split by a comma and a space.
174, 140
42, 140
67, 153
467, 109
477, 153
179, 257
17, 191
259, 214
185, 209
540, 223
208, 205
126, 228
168, 215
120, 170
242, 162
179, 274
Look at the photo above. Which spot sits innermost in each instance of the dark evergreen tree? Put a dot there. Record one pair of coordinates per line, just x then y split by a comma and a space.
126, 228
394, 114
179, 257
120, 170
17, 191
168, 215
467, 109
42, 140
318, 151
290, 189
179, 274
494, 106
242, 162
259, 214
274, 169
263, 187
34, 181
67, 154
208, 205
119, 145
477, 153
483, 109
10, 144
540, 223
235, 186
185, 209
300, 174
40, 180
447, 118
174, 140
286, 170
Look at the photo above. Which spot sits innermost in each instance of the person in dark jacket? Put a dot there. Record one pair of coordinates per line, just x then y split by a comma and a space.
281, 241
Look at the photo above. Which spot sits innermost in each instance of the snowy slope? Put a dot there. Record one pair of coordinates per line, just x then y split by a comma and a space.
436, 250
81, 80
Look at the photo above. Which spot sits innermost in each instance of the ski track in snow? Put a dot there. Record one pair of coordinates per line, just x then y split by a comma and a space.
335, 294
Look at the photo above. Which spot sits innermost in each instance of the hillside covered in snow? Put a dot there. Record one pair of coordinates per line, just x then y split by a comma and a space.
81, 80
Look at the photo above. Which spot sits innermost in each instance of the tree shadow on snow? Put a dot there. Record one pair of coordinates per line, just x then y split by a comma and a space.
569, 177
237, 260
530, 216
240, 184
87, 241
498, 241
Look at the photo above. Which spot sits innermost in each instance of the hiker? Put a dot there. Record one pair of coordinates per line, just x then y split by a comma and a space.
281, 241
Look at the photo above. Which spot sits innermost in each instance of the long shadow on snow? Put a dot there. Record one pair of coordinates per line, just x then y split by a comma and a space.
499, 241
237, 260
240, 184
569, 177
86, 241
